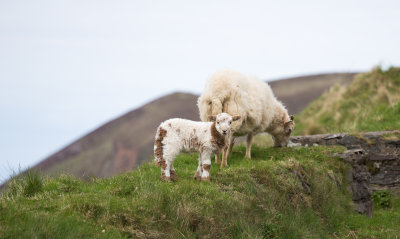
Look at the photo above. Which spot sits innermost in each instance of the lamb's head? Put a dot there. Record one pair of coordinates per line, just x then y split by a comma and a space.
283, 131
223, 122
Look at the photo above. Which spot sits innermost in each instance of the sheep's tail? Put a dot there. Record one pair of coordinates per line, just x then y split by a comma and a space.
159, 147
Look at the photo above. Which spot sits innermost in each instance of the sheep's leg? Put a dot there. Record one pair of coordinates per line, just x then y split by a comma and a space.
217, 159
206, 166
197, 175
248, 146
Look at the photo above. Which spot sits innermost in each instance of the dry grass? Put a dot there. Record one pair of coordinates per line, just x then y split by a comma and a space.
370, 103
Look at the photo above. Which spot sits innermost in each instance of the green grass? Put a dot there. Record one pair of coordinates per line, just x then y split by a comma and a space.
370, 103
280, 193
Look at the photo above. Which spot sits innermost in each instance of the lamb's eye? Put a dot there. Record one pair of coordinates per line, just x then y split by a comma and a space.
230, 122
217, 122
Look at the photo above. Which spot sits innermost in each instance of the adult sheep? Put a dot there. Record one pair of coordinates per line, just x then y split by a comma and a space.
233, 93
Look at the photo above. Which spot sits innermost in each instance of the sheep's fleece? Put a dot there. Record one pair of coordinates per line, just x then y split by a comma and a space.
252, 99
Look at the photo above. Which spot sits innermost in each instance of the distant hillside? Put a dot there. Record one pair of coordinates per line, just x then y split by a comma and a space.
122, 143
370, 103
127, 141
296, 93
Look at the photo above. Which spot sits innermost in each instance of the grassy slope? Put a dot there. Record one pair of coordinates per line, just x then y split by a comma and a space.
370, 103
261, 198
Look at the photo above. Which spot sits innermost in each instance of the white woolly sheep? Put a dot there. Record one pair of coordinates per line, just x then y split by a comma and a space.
252, 99
177, 135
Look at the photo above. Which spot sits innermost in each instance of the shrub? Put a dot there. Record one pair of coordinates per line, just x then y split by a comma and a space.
382, 198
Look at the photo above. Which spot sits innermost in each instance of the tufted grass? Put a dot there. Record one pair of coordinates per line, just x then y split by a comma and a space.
370, 103
280, 193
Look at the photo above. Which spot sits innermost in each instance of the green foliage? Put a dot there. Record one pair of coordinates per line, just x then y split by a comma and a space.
269, 230
27, 185
280, 193
382, 198
370, 103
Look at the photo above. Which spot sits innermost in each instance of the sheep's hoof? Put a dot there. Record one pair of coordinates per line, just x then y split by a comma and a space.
174, 176
224, 165
207, 179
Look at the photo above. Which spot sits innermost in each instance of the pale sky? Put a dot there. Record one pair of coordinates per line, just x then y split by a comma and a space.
67, 67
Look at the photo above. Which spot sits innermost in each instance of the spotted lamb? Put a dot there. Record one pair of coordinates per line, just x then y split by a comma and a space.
177, 135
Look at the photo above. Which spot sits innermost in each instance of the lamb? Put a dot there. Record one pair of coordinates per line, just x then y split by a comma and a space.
231, 92
176, 135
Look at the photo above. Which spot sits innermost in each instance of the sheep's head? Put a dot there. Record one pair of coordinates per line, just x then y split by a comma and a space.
223, 122
283, 132
208, 106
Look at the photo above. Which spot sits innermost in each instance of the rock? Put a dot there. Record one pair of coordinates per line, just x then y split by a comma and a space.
375, 161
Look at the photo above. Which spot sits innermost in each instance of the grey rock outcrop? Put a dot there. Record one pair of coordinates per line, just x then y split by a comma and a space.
375, 161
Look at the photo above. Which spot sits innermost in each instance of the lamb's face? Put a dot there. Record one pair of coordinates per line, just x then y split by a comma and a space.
223, 122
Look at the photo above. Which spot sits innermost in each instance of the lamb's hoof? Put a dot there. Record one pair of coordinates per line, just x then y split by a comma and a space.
165, 178
174, 176
197, 176
206, 179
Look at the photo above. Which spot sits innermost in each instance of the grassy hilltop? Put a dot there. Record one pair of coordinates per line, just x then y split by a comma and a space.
370, 103
280, 193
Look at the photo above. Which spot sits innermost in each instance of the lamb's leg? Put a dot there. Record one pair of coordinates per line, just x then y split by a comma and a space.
163, 166
231, 143
206, 166
224, 157
197, 175
248, 146
165, 172
225, 152
174, 176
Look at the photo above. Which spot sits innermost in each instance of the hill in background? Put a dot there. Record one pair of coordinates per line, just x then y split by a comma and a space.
370, 103
296, 93
122, 143
127, 141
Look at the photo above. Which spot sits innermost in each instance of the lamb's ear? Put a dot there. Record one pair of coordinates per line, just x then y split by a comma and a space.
236, 117
291, 117
212, 117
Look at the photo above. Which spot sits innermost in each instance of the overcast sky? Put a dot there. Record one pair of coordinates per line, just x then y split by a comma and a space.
66, 67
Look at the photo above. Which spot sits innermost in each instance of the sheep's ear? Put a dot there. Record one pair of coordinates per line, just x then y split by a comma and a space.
212, 117
290, 122
291, 117
236, 117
